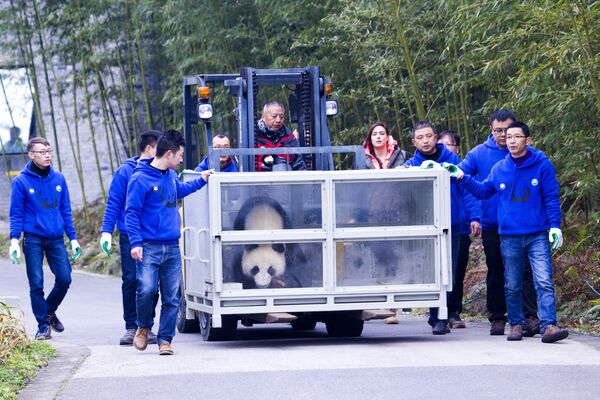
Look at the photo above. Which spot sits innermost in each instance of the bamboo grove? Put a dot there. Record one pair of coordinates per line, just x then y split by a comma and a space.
452, 62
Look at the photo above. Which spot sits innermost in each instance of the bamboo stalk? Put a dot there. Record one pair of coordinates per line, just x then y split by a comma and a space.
132, 97
138, 44
40, 28
123, 105
88, 107
408, 61
104, 118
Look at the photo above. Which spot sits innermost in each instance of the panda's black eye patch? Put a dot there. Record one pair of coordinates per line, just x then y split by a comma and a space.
254, 270
271, 271
250, 247
278, 247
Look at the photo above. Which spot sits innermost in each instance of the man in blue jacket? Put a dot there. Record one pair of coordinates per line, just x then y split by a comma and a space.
469, 225
478, 163
226, 163
425, 139
40, 208
153, 224
115, 213
529, 219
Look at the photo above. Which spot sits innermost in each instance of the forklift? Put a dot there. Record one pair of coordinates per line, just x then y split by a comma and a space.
325, 251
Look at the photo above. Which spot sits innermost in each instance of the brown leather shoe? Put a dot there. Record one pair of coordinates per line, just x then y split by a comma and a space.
553, 334
140, 341
165, 349
516, 333
497, 328
531, 327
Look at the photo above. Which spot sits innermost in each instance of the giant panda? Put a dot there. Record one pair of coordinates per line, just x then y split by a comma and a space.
262, 265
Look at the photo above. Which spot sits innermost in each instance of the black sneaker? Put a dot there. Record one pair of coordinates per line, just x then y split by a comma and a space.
497, 327
43, 333
440, 328
127, 338
531, 327
151, 337
55, 322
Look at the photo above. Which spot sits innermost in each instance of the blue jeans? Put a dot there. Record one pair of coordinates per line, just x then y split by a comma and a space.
160, 263
129, 283
433, 312
34, 248
536, 248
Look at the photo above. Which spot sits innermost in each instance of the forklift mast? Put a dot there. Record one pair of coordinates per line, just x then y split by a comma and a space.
308, 105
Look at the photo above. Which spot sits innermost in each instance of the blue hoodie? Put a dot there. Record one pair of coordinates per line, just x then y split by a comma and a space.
231, 167
470, 212
115, 203
151, 212
41, 206
528, 195
456, 192
479, 162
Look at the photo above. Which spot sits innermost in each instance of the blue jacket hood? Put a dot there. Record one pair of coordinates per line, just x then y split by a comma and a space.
151, 212
456, 192
115, 202
528, 194
478, 163
41, 206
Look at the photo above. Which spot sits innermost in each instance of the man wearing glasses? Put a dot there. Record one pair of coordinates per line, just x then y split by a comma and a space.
478, 163
226, 163
40, 208
529, 219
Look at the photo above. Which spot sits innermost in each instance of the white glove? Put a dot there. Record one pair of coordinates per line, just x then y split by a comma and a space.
76, 249
105, 242
430, 164
14, 251
555, 237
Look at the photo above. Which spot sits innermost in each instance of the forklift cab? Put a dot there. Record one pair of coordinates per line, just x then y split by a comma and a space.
309, 106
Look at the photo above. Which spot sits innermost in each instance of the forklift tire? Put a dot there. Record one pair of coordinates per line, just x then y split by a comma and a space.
227, 332
304, 324
186, 325
340, 324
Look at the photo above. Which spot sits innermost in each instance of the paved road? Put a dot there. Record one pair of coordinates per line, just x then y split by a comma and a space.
388, 362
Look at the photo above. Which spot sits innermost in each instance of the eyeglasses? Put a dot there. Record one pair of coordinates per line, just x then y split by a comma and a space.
42, 152
515, 137
500, 130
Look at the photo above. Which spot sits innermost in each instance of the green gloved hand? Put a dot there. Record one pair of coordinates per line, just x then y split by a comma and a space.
15, 251
105, 242
76, 249
555, 237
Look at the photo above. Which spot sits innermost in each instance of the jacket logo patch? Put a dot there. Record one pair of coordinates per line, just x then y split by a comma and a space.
534, 182
155, 188
31, 190
46, 200
502, 186
58, 188
169, 199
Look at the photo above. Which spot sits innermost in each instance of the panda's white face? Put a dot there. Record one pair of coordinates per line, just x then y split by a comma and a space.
263, 264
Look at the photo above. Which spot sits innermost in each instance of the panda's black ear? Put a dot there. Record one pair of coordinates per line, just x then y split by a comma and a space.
278, 247
250, 247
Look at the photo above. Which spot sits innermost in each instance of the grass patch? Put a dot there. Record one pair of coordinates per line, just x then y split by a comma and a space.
21, 366
20, 358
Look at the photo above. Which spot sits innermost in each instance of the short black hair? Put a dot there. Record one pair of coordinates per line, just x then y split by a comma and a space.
36, 140
522, 125
452, 134
501, 115
421, 125
171, 139
148, 138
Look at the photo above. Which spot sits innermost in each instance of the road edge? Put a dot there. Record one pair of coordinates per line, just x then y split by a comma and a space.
51, 379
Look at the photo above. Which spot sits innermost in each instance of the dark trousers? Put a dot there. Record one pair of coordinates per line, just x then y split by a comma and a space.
34, 248
129, 284
456, 296
496, 300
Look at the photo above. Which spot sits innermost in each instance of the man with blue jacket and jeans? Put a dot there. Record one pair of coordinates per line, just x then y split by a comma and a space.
40, 208
478, 163
425, 139
529, 219
153, 224
115, 213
